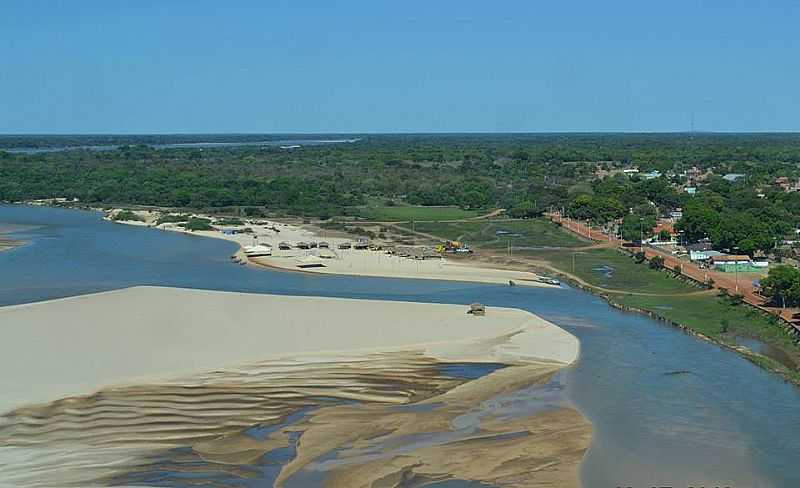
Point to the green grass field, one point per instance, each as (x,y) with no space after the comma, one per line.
(529,233)
(672,299)
(708,314)
(608,268)
(401,213)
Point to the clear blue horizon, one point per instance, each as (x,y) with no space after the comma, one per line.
(368,67)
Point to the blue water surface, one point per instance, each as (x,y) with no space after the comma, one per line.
(726,423)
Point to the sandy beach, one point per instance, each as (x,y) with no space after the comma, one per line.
(120,377)
(344,261)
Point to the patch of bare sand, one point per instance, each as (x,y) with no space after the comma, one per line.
(137,373)
(375,446)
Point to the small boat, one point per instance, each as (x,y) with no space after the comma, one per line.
(344,245)
(284,246)
(302,245)
(310,261)
(324,245)
(258,250)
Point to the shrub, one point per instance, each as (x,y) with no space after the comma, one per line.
(172,218)
(657,262)
(197,223)
(124,215)
(230,221)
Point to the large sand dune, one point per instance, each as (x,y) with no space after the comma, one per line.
(76,345)
(130,386)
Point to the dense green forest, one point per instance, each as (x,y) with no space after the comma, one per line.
(525,173)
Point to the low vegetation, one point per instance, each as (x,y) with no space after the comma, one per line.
(197,223)
(127,215)
(172,218)
(403,213)
(501,233)
(608,268)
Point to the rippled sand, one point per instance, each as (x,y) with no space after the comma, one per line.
(390,412)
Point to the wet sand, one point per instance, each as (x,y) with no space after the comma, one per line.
(6,244)
(125,386)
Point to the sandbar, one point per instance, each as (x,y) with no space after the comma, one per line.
(79,344)
(122,387)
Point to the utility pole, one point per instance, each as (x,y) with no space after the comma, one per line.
(641,234)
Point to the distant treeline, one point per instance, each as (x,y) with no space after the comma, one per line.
(526,173)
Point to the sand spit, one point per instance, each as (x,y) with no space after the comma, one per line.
(141,386)
(6,244)
(333,260)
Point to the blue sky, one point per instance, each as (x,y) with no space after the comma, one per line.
(105,66)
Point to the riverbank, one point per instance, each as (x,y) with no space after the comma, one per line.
(659,294)
(338,257)
(200,370)
(604,271)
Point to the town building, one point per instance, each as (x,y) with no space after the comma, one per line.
(733,177)
(730,263)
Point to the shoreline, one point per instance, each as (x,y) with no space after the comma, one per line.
(758,359)
(349,262)
(201,374)
(509,334)
(764,362)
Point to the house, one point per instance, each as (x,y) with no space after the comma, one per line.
(781,183)
(691,190)
(733,177)
(693,174)
(703,255)
(652,175)
(701,251)
(663,225)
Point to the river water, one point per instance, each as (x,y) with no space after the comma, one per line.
(186,145)
(667,409)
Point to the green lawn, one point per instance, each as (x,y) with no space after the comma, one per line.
(484,233)
(708,314)
(401,213)
(608,268)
